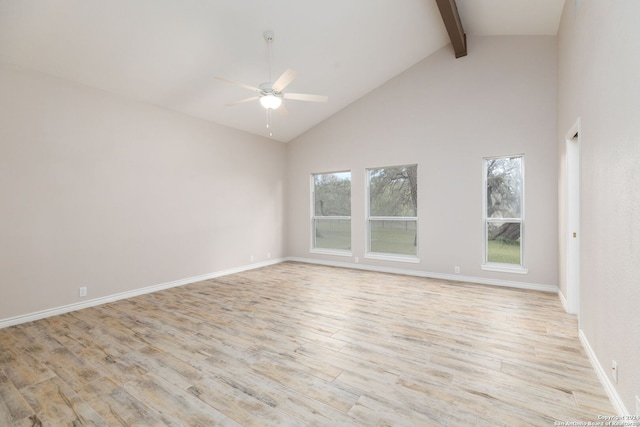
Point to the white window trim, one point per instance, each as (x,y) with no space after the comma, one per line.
(496,266)
(382,255)
(313,218)
(392,257)
(504,268)
(325,251)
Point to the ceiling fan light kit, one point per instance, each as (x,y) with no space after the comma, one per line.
(270,94)
(270,101)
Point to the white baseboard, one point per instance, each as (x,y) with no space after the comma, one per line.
(563,300)
(129,294)
(29,317)
(136,292)
(452,277)
(609,388)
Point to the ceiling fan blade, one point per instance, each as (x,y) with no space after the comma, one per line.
(283,81)
(251,88)
(242,101)
(305,97)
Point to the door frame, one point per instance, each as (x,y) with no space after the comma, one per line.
(572,218)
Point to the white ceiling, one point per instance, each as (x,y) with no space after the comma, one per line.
(167,52)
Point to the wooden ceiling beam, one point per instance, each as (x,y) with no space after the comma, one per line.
(451,19)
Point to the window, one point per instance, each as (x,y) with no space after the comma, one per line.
(331,219)
(504,213)
(393,212)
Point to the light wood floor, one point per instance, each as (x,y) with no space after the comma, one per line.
(296,344)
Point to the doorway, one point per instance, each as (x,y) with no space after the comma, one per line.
(573,219)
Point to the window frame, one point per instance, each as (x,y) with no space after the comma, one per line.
(498,266)
(369,219)
(314,217)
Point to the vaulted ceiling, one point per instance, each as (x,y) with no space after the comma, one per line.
(167,52)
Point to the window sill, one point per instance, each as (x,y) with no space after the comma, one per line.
(505,268)
(392,257)
(336,252)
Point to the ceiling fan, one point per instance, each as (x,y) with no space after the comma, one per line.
(270,94)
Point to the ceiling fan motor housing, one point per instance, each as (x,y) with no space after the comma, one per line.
(266,88)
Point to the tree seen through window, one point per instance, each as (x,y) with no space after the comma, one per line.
(332,211)
(393,210)
(503,215)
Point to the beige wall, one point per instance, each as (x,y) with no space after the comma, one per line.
(599,69)
(114,195)
(446,114)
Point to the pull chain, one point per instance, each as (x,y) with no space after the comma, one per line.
(269,37)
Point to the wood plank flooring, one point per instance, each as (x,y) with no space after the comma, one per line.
(298,345)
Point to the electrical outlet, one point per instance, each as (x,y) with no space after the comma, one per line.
(614,371)
(357,260)
(251,258)
(268,255)
(82,291)
(638,406)
(457,269)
